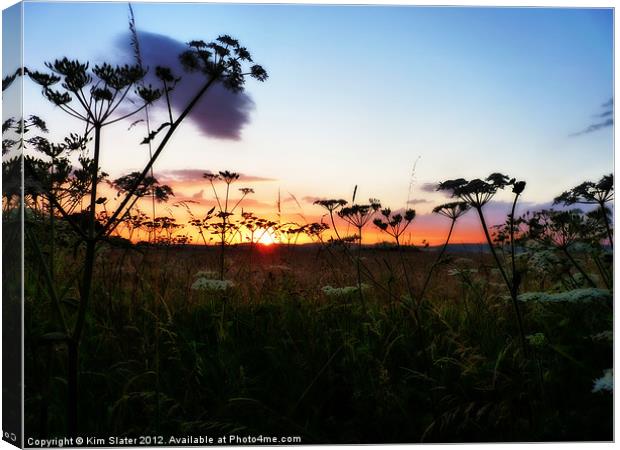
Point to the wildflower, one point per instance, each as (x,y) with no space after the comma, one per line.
(346,291)
(604,383)
(536,340)
(573,296)
(542,261)
(477,192)
(332,204)
(461,272)
(209,274)
(452,210)
(604,336)
(207,284)
(279,267)
(589,192)
(394,224)
(360,215)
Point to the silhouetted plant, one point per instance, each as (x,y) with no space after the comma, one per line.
(149,186)
(99,97)
(477,193)
(332,206)
(598,193)
(395,225)
(561,230)
(225,226)
(453,211)
(359,215)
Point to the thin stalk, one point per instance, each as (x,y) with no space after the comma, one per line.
(406,274)
(223,238)
(52,225)
(578,267)
(512,242)
(607,225)
(359,272)
(603,272)
(513,294)
(85,294)
(111,224)
(437,261)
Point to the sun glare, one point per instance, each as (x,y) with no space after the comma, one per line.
(267,239)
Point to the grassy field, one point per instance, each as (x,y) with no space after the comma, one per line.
(289,345)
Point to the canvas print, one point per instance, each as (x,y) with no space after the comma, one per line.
(266,224)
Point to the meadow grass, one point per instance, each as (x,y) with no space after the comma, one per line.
(273,354)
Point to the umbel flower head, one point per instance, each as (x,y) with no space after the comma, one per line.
(360,215)
(584,295)
(477,193)
(394,224)
(604,383)
(147,186)
(347,291)
(208,284)
(589,192)
(452,210)
(222,60)
(332,204)
(228,176)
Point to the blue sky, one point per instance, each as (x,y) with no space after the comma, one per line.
(357,94)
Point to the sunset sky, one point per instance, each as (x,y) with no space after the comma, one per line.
(355,96)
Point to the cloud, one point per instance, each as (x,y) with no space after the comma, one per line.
(189,175)
(428,187)
(311,199)
(220,113)
(607,114)
(417,201)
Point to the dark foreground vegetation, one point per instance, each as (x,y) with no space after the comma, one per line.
(277,352)
(337,342)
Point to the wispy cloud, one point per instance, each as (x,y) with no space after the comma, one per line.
(418,201)
(607,115)
(310,199)
(196,175)
(428,187)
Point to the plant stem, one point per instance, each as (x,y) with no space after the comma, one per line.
(512,243)
(607,226)
(112,223)
(85,294)
(513,293)
(578,267)
(437,260)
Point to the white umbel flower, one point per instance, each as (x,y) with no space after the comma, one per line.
(207,284)
(604,383)
(342,291)
(574,296)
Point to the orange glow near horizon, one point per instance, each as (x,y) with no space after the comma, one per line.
(425,229)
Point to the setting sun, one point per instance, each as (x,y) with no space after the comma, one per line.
(267,239)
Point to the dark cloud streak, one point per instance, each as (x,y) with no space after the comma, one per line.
(607,114)
(189,175)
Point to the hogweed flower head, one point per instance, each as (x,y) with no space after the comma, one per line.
(332,204)
(477,193)
(589,192)
(346,291)
(359,215)
(208,284)
(394,224)
(452,210)
(604,383)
